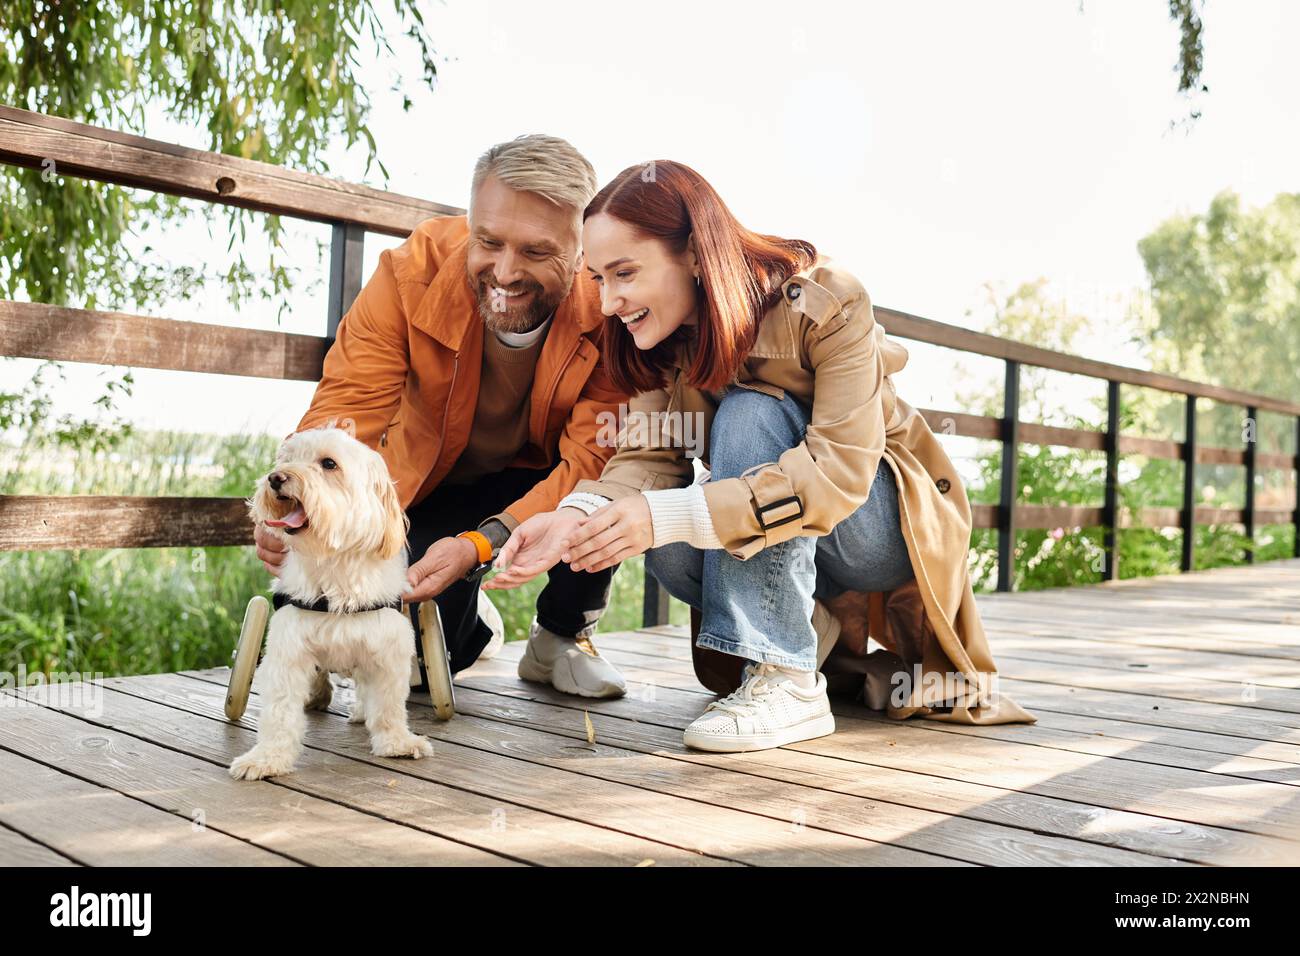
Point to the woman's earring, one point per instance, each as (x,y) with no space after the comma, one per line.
(697,278)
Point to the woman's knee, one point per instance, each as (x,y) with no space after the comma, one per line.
(751,428)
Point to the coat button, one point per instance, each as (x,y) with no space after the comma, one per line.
(943,485)
(793,292)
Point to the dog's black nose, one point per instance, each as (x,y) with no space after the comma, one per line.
(275,480)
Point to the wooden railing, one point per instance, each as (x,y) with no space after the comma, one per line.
(34,522)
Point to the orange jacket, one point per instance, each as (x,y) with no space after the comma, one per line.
(406,362)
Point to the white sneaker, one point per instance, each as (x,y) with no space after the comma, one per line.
(492,618)
(570,666)
(767,710)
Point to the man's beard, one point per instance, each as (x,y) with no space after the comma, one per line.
(521,319)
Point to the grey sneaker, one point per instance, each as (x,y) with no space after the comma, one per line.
(571,666)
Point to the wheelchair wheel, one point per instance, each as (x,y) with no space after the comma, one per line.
(246,655)
(437,664)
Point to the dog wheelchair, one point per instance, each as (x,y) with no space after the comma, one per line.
(432,658)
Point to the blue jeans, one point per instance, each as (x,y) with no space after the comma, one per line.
(761,608)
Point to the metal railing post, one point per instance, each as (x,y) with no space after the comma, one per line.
(347,247)
(1010,477)
(1252,443)
(1295,515)
(1189,485)
(1110,508)
(654,606)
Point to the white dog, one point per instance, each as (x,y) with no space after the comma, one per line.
(333,499)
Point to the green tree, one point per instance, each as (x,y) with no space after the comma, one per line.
(270,80)
(1225,291)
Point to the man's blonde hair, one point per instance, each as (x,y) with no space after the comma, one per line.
(535,163)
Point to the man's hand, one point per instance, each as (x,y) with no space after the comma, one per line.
(620,530)
(533,548)
(446,562)
(270,549)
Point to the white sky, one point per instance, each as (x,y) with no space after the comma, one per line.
(930,146)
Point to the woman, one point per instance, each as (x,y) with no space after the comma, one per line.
(772,356)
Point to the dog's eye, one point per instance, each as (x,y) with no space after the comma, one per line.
(329,464)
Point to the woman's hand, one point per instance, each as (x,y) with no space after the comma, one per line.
(534,547)
(620,530)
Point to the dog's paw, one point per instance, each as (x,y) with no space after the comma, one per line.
(409,745)
(358,716)
(255,765)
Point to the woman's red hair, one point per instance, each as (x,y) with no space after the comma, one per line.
(741,273)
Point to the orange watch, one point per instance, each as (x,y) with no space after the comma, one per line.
(481,545)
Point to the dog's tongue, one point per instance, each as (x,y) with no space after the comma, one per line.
(294,519)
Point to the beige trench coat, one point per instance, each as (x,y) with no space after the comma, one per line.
(936,661)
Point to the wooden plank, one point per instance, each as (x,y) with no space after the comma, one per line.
(1228,644)
(97,826)
(1190,796)
(1259,626)
(31,330)
(337,766)
(1190,750)
(1268,733)
(828,810)
(18,850)
(261,813)
(1160,685)
(1150,447)
(942,422)
(1203,588)
(1276,581)
(895,782)
(1275,701)
(58,522)
(1257,730)
(1103,713)
(1192,663)
(1131,611)
(472,758)
(1080,516)
(885,818)
(76,149)
(1056,516)
(905,325)
(616,792)
(1095,713)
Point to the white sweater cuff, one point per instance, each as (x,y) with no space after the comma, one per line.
(681,514)
(583,501)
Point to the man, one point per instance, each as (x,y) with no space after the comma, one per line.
(470,361)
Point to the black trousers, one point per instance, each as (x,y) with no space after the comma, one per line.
(569,604)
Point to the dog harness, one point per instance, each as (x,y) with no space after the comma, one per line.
(279,600)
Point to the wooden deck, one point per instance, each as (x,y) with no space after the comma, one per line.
(1168,735)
